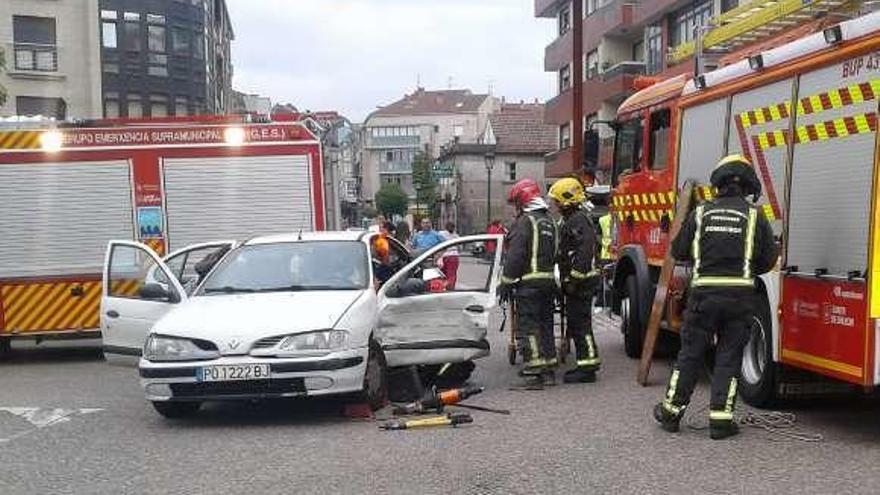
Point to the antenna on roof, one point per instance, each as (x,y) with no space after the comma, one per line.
(418,80)
(491,87)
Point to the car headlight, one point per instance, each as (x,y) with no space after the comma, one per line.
(162,348)
(324,340)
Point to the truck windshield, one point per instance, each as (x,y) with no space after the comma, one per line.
(291,266)
(628,149)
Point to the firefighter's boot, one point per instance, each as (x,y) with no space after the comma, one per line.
(668,420)
(528,381)
(548,378)
(719,429)
(579,375)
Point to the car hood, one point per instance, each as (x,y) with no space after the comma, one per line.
(250,317)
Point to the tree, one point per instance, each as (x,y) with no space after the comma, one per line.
(392,200)
(2,69)
(424,182)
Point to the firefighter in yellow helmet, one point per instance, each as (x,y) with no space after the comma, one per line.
(730,243)
(577,249)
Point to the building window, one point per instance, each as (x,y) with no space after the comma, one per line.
(564,20)
(180,40)
(564,136)
(111,105)
(591,64)
(638,51)
(158,64)
(158,106)
(686,21)
(32,106)
(199,46)
(458,130)
(510,171)
(110,68)
(389,156)
(653,49)
(728,5)
(181,107)
(132,31)
(135,107)
(564,79)
(590,6)
(108,34)
(661,125)
(156,38)
(34,43)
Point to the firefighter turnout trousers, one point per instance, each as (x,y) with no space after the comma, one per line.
(727,314)
(579,316)
(535,303)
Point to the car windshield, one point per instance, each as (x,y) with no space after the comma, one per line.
(291,266)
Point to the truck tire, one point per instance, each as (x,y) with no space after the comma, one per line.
(630,315)
(375,390)
(5,347)
(760,374)
(176,410)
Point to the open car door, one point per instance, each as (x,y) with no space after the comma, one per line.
(193,263)
(436,309)
(138,289)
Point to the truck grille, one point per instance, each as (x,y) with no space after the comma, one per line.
(244,387)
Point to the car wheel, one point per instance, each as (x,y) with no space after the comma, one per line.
(630,309)
(176,410)
(759,374)
(375,391)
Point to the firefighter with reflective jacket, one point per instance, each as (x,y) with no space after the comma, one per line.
(528,278)
(729,243)
(577,249)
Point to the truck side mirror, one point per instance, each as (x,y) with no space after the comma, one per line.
(591,149)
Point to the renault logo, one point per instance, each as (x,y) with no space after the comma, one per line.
(233,344)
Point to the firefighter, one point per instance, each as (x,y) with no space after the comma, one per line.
(577,247)
(600,214)
(729,243)
(528,279)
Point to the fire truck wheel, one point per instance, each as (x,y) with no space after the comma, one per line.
(5,347)
(630,309)
(176,410)
(760,374)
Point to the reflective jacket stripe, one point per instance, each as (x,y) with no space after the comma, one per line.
(537,276)
(722,282)
(535,240)
(695,246)
(750,243)
(583,276)
(721,415)
(605,227)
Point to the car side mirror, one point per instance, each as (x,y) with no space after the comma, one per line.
(155,292)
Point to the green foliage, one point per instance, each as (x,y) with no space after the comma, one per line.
(392,200)
(424,182)
(2,69)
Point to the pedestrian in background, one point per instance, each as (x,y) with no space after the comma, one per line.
(496,227)
(427,237)
(450,259)
(402,234)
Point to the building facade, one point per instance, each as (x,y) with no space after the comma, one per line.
(393,135)
(622,40)
(165,57)
(53,60)
(511,148)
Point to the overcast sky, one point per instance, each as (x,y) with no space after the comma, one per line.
(352,55)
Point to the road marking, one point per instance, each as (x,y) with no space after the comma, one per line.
(42,418)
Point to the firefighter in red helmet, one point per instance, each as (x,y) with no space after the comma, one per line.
(528,278)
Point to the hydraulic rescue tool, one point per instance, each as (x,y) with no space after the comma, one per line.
(450,419)
(435,401)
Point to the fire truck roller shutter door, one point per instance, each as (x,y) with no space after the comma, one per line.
(56,218)
(832,172)
(762,110)
(236,197)
(702,141)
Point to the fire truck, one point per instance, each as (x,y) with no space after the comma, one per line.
(805,114)
(175,185)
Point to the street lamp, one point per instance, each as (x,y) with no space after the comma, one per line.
(489,159)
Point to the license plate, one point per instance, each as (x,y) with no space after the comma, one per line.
(233,372)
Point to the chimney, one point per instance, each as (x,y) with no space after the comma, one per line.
(536,101)
(503,100)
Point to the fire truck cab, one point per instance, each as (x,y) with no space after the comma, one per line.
(805,115)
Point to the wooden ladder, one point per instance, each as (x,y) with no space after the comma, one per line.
(686,200)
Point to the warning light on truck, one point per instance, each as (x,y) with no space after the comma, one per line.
(234,136)
(51,141)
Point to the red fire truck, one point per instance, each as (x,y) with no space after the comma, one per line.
(805,114)
(68,189)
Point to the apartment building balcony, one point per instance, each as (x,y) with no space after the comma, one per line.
(380,142)
(613,84)
(548,8)
(395,168)
(613,19)
(648,11)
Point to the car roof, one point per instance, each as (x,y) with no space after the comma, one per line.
(332,235)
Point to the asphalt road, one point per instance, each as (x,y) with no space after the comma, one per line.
(69,423)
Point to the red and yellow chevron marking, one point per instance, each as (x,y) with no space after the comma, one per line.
(20,140)
(819,102)
(644,207)
(157,245)
(838,128)
(839,98)
(32,307)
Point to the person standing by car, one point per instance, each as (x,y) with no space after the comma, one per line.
(577,247)
(528,279)
(450,259)
(427,237)
(496,227)
(730,243)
